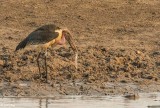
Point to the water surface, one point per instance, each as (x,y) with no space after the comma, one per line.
(146,100)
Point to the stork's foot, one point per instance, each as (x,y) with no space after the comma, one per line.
(43,78)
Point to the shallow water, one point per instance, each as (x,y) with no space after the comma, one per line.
(149,100)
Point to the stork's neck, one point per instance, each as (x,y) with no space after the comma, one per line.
(62,40)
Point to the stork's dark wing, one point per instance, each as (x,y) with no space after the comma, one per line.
(41,35)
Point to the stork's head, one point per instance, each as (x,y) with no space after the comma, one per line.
(68,36)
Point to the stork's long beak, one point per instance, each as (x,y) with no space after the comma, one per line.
(69,38)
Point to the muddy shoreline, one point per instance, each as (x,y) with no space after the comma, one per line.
(114,72)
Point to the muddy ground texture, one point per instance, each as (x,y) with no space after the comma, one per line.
(118,43)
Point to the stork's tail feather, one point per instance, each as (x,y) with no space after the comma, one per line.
(22,44)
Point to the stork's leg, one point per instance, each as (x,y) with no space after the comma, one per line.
(46,65)
(38,63)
